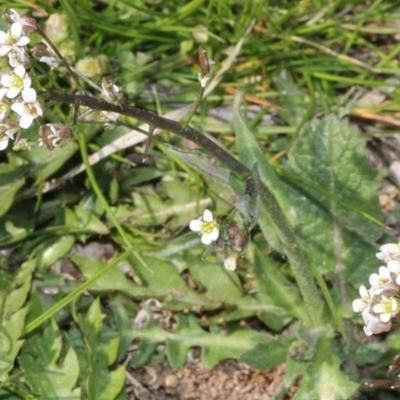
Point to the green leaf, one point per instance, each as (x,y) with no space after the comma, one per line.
(11,180)
(14,228)
(233,343)
(330,158)
(55,250)
(114,279)
(251,154)
(51,370)
(323,378)
(87,221)
(101,347)
(272,282)
(268,353)
(333,190)
(43,163)
(13,294)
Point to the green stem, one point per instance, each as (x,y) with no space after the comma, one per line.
(95,186)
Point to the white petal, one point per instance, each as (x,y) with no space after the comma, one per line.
(4,49)
(358,305)
(3,142)
(207,216)
(374,280)
(384,272)
(27,82)
(19,70)
(16,30)
(26,121)
(206,239)
(23,41)
(385,317)
(214,234)
(363,291)
(29,95)
(394,266)
(19,108)
(6,80)
(3,37)
(196,225)
(368,330)
(12,92)
(39,109)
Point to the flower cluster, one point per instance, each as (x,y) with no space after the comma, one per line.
(19,105)
(231,237)
(19,102)
(379,304)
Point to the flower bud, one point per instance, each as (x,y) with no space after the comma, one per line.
(230,261)
(54,135)
(43,54)
(29,25)
(56,27)
(111,92)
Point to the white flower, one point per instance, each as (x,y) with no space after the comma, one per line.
(389,252)
(16,82)
(206,226)
(380,281)
(7,132)
(12,39)
(374,325)
(386,308)
(363,304)
(29,110)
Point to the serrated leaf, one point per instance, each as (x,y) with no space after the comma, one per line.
(13,294)
(323,379)
(103,383)
(234,343)
(50,372)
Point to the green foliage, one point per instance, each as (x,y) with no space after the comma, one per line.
(101,349)
(236,341)
(50,368)
(13,310)
(334,190)
(301,62)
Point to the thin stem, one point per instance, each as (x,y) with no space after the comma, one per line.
(97,189)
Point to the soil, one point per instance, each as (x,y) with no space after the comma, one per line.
(231,380)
